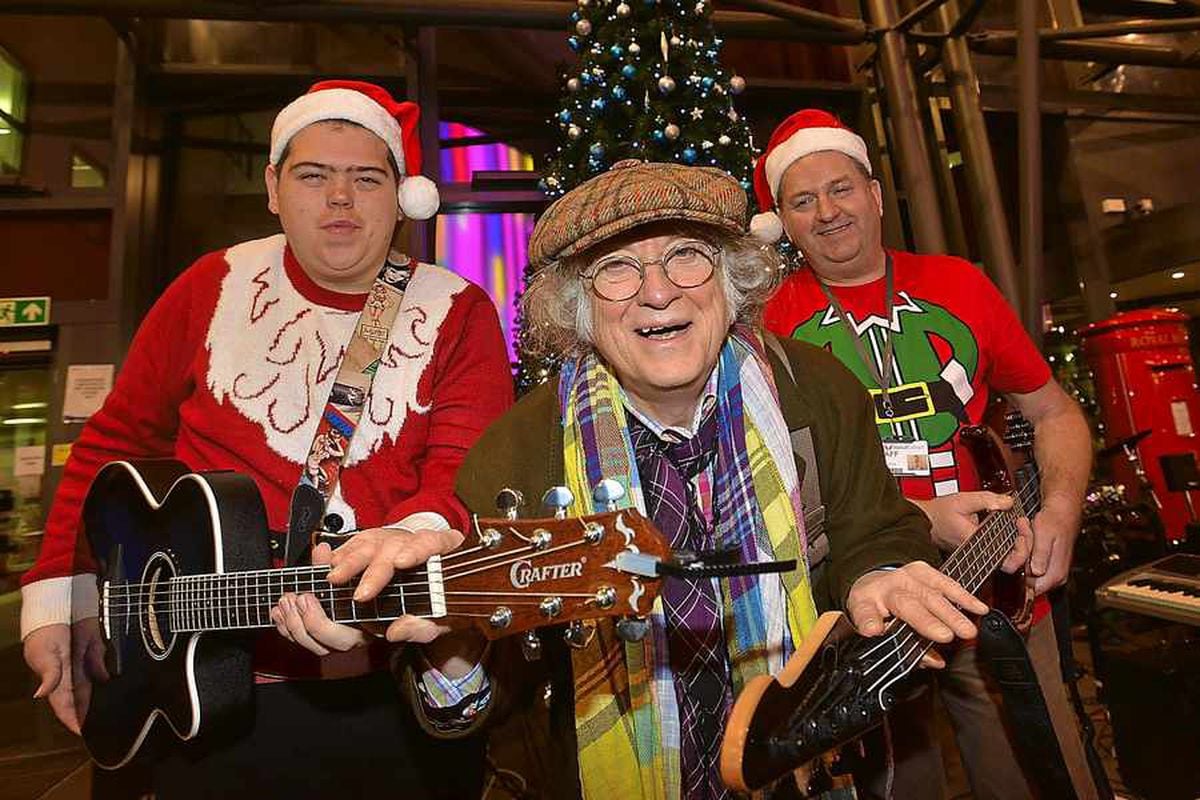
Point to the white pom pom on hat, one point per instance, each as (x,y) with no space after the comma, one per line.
(419,198)
(766,227)
(372,107)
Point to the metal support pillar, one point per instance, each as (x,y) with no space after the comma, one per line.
(1029,139)
(910,146)
(124,184)
(983,187)
(421,76)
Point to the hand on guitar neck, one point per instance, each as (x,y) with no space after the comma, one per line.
(375,555)
(956,516)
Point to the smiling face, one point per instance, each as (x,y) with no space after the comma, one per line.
(831,211)
(335,194)
(663,342)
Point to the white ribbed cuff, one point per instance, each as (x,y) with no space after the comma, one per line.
(45,602)
(58,601)
(422,520)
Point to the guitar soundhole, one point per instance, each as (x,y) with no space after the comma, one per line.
(154,608)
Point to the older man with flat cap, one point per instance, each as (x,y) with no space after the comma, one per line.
(648,283)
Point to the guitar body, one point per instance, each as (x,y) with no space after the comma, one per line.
(186,584)
(838,685)
(148,522)
(749,758)
(998,468)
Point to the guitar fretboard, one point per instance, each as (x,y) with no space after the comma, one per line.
(243,600)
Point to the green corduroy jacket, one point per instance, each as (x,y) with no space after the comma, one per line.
(868,522)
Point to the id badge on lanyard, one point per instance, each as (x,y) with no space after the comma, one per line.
(907,459)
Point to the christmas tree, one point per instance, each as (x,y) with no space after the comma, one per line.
(649,86)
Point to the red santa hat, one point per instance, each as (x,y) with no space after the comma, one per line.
(805,132)
(373,108)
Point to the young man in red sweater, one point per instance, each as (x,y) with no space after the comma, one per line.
(230,370)
(931,338)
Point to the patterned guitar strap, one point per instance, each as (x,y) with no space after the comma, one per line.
(343,408)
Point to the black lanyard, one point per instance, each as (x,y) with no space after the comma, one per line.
(883,378)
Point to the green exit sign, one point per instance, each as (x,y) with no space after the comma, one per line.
(17,311)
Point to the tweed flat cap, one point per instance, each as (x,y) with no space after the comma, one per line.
(633,193)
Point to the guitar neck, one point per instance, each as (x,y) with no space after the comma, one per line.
(977,558)
(243,600)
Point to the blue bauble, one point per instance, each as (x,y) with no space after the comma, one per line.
(598,103)
(629,70)
(596,149)
(707,83)
(746,186)
(689,155)
(616,51)
(564,116)
(573,42)
(618,92)
(585,78)
(658,135)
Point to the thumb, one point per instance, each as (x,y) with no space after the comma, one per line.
(49,667)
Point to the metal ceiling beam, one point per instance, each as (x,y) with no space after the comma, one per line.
(527,14)
(806,16)
(1140,55)
(1099,30)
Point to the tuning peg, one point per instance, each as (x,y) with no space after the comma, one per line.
(578,635)
(508,501)
(632,629)
(607,493)
(531,646)
(558,499)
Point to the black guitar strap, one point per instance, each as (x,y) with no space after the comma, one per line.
(343,408)
(1036,744)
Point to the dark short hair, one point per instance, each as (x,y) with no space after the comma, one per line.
(287,148)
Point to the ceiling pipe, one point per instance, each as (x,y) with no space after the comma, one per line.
(525,14)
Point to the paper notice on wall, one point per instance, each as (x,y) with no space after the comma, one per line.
(1183,420)
(87,387)
(29,461)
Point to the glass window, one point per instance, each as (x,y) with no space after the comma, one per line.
(13,89)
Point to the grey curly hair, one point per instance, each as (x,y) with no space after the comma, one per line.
(556,305)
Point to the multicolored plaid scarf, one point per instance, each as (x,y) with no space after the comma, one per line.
(626,715)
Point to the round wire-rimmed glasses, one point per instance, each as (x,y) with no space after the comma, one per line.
(687,264)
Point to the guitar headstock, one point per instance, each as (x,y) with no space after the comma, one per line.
(514,575)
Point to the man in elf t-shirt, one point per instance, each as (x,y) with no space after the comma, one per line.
(231,370)
(932,338)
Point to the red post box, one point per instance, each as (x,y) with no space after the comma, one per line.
(1145,381)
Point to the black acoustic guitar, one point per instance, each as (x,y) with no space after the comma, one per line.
(185,582)
(838,685)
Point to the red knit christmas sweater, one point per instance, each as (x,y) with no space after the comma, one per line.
(231,369)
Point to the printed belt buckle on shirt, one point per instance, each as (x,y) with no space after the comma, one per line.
(908,401)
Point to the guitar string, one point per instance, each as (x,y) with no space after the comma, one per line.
(195,584)
(994,546)
(316,572)
(997,546)
(965,552)
(192,590)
